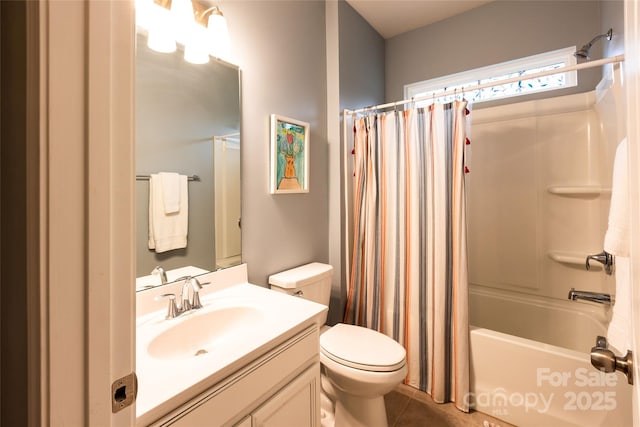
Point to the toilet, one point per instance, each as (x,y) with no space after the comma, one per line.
(359,365)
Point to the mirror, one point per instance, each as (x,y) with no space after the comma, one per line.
(188,121)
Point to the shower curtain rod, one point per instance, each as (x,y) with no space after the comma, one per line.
(614,59)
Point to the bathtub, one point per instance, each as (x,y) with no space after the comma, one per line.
(542,375)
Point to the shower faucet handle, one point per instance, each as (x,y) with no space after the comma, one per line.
(604,258)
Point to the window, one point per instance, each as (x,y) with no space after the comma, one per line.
(496,73)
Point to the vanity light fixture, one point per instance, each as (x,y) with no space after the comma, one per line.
(182,20)
(201,29)
(196,50)
(218,34)
(160,37)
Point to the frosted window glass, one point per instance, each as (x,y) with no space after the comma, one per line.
(494,74)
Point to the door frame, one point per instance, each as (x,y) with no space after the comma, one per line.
(632,84)
(86,218)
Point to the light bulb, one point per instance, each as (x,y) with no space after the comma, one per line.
(196,50)
(182,19)
(219,42)
(161,36)
(144,10)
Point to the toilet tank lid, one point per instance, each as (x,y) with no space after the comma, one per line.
(301,276)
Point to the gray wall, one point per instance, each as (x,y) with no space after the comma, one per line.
(612,16)
(362,60)
(355,76)
(280,47)
(496,32)
(179,108)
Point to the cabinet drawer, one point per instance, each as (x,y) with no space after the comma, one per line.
(239,394)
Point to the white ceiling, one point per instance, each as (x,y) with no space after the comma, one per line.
(393,17)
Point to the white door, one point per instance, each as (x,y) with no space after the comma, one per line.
(632,76)
(85,115)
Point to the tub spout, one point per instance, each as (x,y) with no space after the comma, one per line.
(596,297)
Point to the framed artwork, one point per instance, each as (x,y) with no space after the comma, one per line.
(289,155)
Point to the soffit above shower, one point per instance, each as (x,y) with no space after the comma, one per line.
(393,17)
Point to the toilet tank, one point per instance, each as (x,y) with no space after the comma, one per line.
(309,281)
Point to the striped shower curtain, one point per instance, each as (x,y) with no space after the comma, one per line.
(409,264)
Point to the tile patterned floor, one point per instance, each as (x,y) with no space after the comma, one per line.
(408,407)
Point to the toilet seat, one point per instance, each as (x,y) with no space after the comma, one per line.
(362,348)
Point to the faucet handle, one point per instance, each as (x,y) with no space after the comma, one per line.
(195,304)
(605,258)
(172,309)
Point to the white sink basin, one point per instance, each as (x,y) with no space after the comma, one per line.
(205,333)
(238,323)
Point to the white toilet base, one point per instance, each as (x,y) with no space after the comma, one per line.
(327,411)
(356,411)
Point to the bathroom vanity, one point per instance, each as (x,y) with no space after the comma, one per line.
(249,357)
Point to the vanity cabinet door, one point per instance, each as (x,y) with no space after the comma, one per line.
(295,405)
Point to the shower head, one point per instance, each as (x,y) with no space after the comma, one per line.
(583,52)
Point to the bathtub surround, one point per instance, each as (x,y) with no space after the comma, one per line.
(538,197)
(548,164)
(409,267)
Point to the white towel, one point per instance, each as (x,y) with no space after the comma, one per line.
(170,191)
(616,242)
(619,332)
(616,239)
(167,231)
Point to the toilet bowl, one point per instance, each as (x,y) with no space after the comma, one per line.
(362,366)
(359,365)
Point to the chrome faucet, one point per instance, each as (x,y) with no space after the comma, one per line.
(174,310)
(186,303)
(596,297)
(163,274)
(192,303)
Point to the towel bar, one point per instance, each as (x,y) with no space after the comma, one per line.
(148,177)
